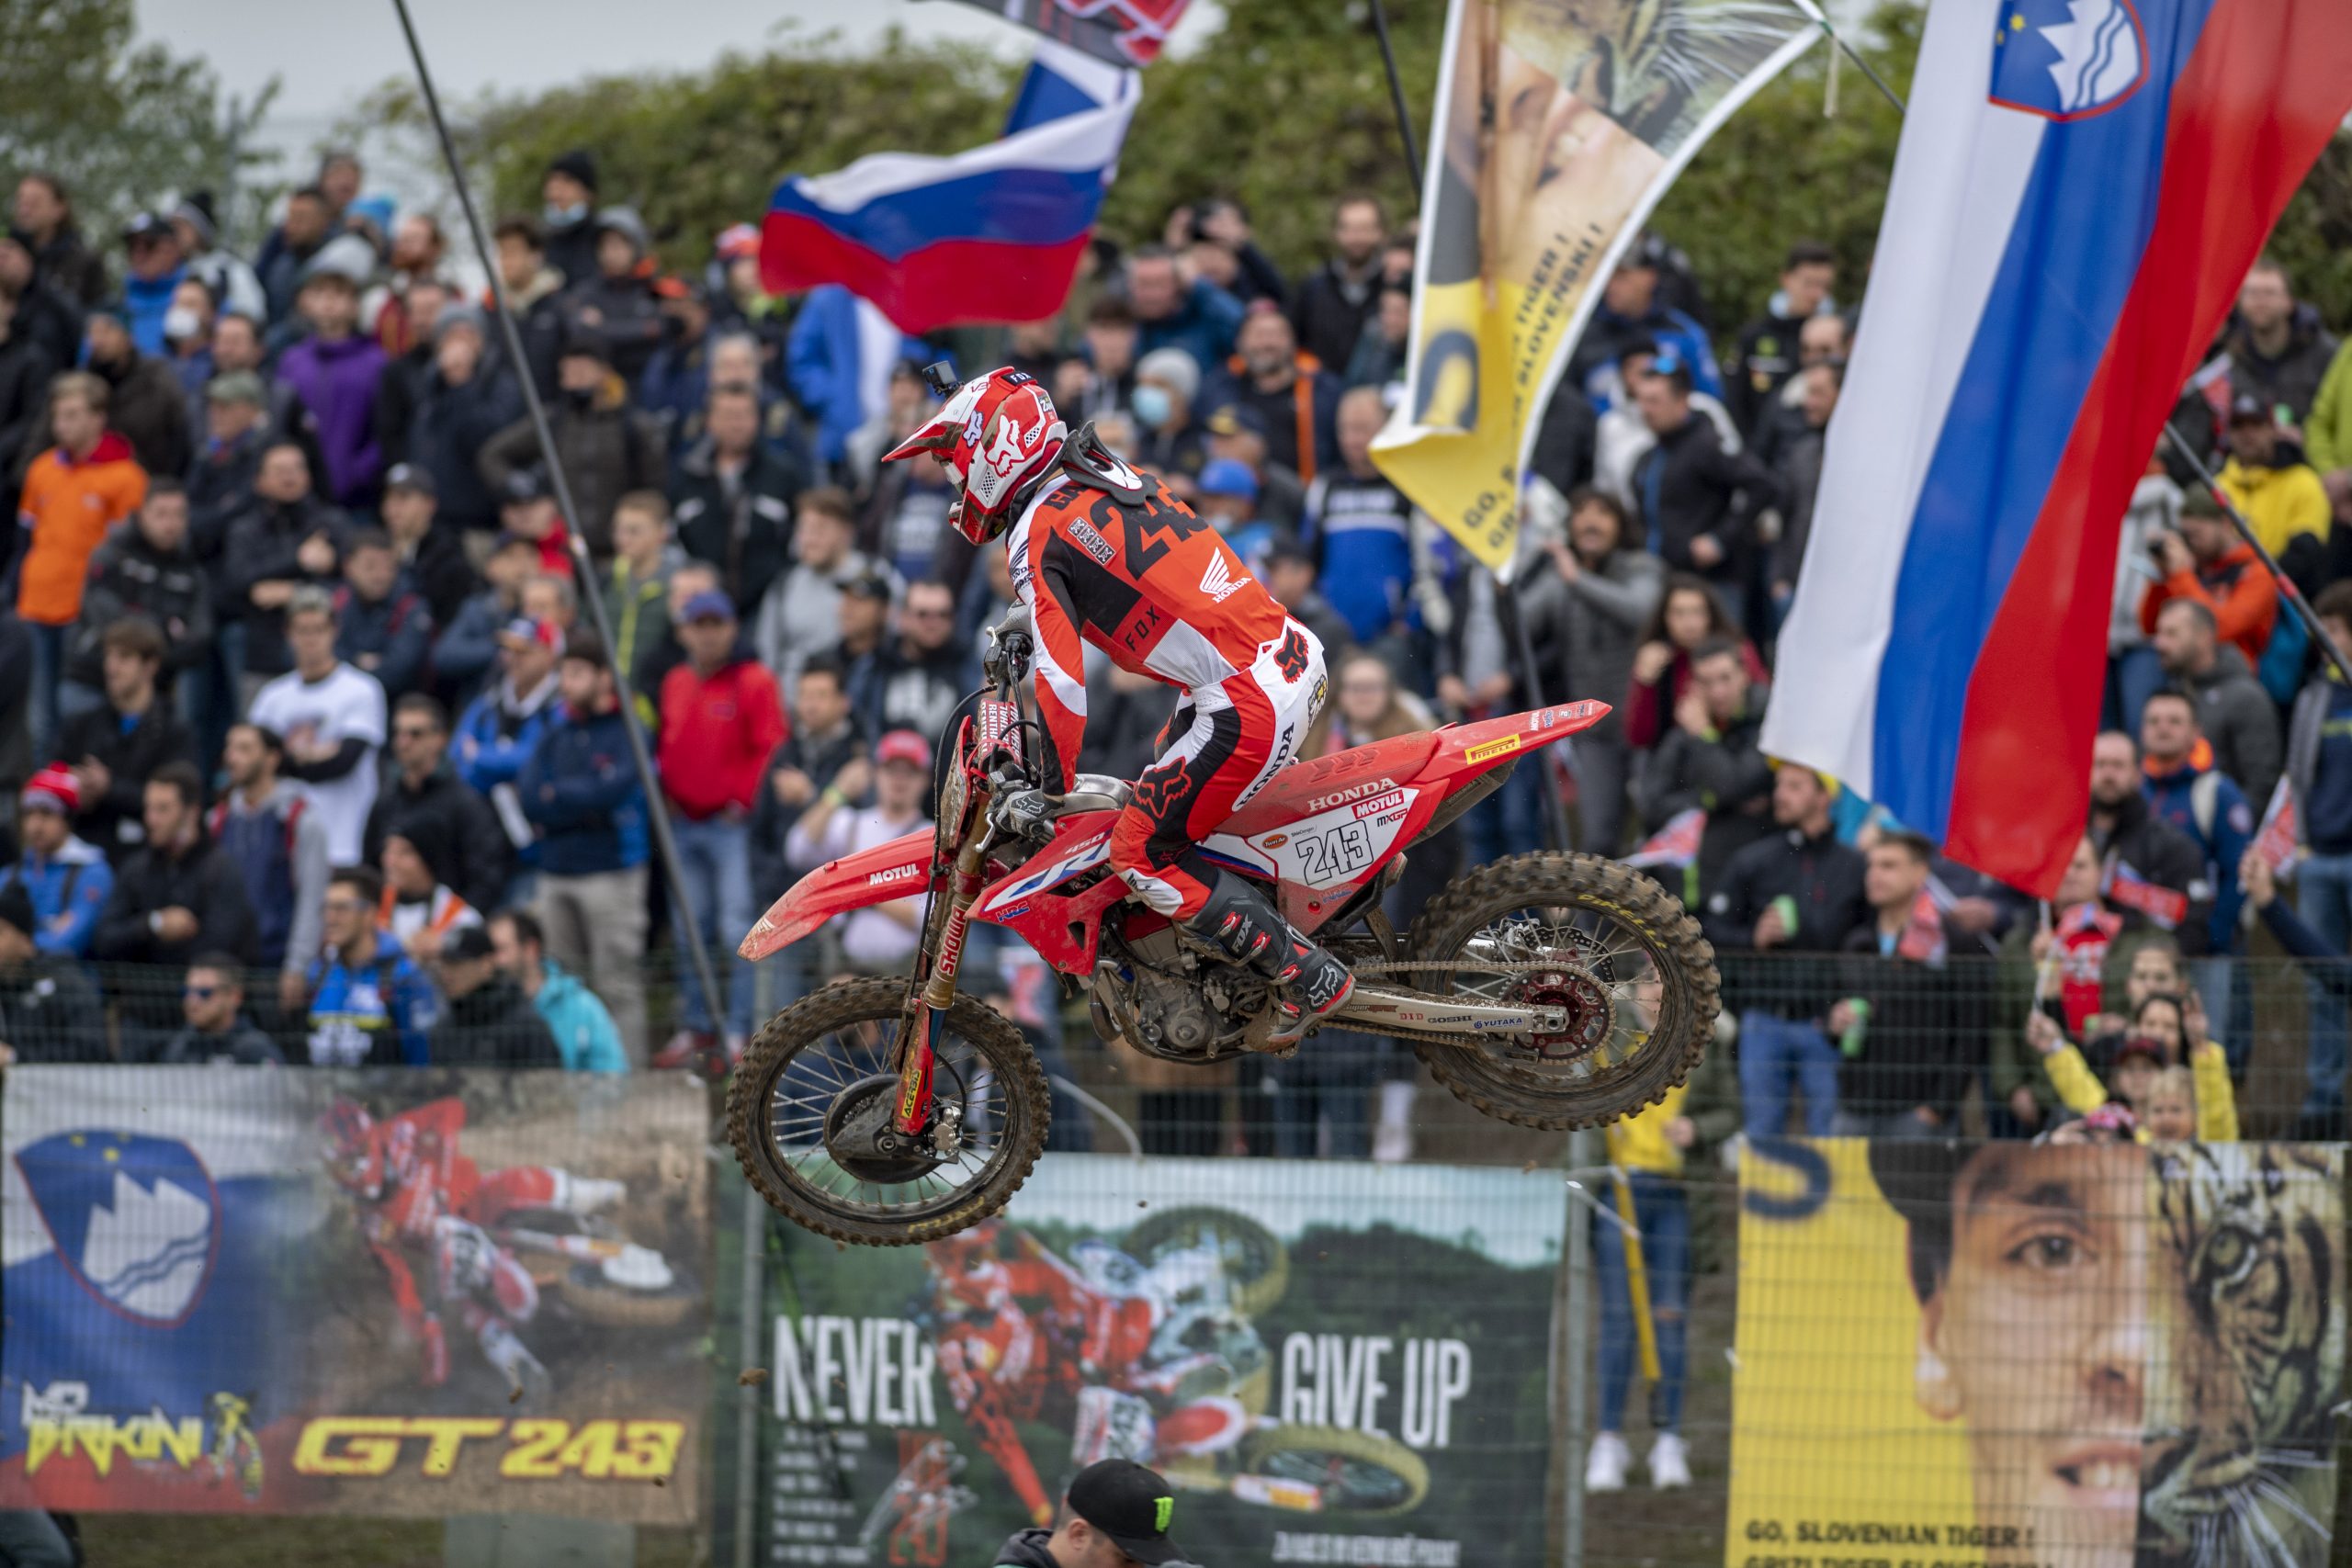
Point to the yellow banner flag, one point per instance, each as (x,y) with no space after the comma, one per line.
(1558,129)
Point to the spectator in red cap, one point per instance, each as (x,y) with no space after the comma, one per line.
(876,941)
(721,720)
(67,879)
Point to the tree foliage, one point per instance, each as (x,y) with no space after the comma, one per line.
(124,126)
(1284,108)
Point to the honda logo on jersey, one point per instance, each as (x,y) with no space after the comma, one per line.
(1218,581)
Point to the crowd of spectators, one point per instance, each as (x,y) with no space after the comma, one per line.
(300,698)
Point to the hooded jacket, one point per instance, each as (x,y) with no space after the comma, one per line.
(584,1030)
(717,733)
(743,528)
(2292,376)
(130,577)
(200,880)
(279,849)
(68,891)
(449,424)
(68,504)
(339,382)
(146,402)
(456,817)
(49,1013)
(2241,724)
(2287,506)
(2216,819)
(607,449)
(581,788)
(2240,595)
(116,821)
(494,1025)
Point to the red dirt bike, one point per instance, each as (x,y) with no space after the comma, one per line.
(1550,991)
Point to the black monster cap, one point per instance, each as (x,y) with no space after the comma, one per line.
(1129,1504)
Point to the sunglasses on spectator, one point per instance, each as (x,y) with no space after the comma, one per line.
(344,907)
(413,731)
(201,993)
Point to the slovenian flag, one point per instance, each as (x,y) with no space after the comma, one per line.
(2080,187)
(990,235)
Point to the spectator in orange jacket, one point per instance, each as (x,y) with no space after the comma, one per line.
(73,492)
(721,720)
(2207,563)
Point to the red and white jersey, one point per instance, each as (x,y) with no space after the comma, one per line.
(1153,586)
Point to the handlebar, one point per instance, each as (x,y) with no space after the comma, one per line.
(1011,648)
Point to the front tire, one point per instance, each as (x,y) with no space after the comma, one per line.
(789,1094)
(1630,958)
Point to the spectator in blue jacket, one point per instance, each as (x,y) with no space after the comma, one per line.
(2185,789)
(371,1005)
(582,1027)
(499,731)
(383,626)
(580,789)
(67,879)
(152,268)
(1631,309)
(1172,310)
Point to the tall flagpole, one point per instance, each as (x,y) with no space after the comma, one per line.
(1507,617)
(592,592)
(2288,593)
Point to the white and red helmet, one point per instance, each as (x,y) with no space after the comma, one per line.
(994,435)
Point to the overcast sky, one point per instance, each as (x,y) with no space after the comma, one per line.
(328,54)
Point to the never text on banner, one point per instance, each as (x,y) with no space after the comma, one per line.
(1330,1363)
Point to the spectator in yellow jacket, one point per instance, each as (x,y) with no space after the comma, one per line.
(82,486)
(2161,1028)
(2282,496)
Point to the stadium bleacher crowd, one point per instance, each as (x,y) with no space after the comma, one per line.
(311,752)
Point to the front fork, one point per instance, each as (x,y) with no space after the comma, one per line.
(916,1053)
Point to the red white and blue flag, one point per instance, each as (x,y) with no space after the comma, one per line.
(2080,187)
(993,234)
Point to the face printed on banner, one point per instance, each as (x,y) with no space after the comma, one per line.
(2036,1333)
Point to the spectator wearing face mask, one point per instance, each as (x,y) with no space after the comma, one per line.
(1170,438)
(152,267)
(606,447)
(569,192)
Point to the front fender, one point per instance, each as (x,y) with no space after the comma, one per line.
(878,875)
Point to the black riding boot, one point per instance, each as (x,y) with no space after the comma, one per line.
(1309,983)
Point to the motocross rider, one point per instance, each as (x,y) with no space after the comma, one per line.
(1103,553)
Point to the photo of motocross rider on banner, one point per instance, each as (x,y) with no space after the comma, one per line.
(1313,1356)
(357,1292)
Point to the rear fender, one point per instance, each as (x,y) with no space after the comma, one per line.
(1324,838)
(882,874)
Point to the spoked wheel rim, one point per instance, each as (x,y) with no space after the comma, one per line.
(816,1098)
(1603,974)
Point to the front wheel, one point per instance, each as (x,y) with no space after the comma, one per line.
(1623,961)
(818,1082)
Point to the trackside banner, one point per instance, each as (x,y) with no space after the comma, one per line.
(1329,1363)
(1557,127)
(2013,1355)
(419,1293)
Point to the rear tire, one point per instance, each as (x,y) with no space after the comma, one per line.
(1586,891)
(852,1026)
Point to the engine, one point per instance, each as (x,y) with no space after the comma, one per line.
(1166,1002)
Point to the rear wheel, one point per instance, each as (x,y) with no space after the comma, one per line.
(1623,961)
(811,1102)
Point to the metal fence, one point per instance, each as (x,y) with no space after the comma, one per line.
(1880,1038)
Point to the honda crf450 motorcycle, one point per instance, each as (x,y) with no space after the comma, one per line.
(1550,991)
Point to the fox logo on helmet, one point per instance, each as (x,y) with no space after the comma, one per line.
(1013,445)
